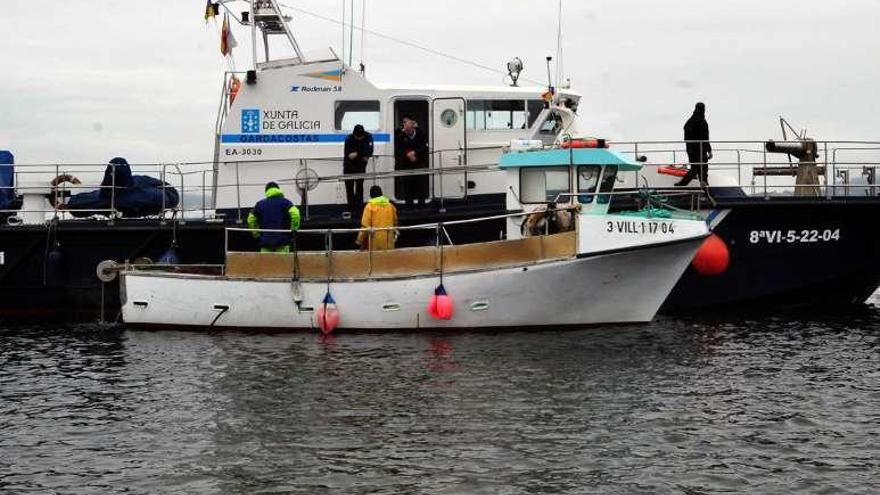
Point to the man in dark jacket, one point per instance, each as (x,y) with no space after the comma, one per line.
(274,212)
(696,133)
(358,150)
(411,153)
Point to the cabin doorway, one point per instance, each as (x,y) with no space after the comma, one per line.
(416,189)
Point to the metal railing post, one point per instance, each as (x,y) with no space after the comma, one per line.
(162,176)
(739,168)
(237,191)
(764,154)
(204,193)
(112,192)
(182,193)
(828,185)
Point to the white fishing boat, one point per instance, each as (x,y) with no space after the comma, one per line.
(608,268)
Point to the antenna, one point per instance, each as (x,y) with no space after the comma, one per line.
(549,77)
(559,45)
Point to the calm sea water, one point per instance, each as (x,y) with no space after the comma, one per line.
(759,405)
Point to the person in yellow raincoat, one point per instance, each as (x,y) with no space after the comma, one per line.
(379,213)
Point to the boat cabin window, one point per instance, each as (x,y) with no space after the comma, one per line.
(498,115)
(543,184)
(587,181)
(607,184)
(549,128)
(348,114)
(534,109)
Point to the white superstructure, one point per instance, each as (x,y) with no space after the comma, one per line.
(294,114)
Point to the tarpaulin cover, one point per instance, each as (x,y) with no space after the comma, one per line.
(136,195)
(7,179)
(142,198)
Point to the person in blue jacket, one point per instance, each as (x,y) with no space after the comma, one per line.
(274,212)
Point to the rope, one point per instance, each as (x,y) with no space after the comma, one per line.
(343,32)
(295,259)
(294,282)
(363,25)
(329,246)
(407,43)
(440,242)
(351,35)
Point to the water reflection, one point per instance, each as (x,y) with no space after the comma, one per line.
(768,404)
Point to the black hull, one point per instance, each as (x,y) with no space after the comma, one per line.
(35,284)
(815,254)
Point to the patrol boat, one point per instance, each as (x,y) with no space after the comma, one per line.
(609,268)
(796,218)
(284,120)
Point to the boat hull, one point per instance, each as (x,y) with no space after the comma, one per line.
(820,275)
(815,254)
(627,286)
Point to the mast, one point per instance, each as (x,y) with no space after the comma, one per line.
(270,21)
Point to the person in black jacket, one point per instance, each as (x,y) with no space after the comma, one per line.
(358,150)
(274,212)
(411,153)
(699,151)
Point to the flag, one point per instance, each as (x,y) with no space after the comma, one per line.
(227,41)
(211,9)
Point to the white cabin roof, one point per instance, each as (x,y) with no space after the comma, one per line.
(466,90)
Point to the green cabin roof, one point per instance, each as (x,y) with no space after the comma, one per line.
(566,157)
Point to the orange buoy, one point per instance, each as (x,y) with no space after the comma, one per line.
(712,258)
(673,170)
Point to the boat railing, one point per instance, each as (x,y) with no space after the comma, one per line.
(441,235)
(760,172)
(847,168)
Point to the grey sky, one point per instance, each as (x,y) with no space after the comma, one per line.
(89,80)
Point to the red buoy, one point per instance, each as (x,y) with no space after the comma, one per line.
(713,257)
(441,306)
(327,315)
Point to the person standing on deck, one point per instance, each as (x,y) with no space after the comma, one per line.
(379,213)
(358,150)
(699,151)
(411,153)
(274,212)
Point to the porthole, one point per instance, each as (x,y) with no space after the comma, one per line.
(449,117)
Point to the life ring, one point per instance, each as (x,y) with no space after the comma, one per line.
(55,196)
(234,87)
